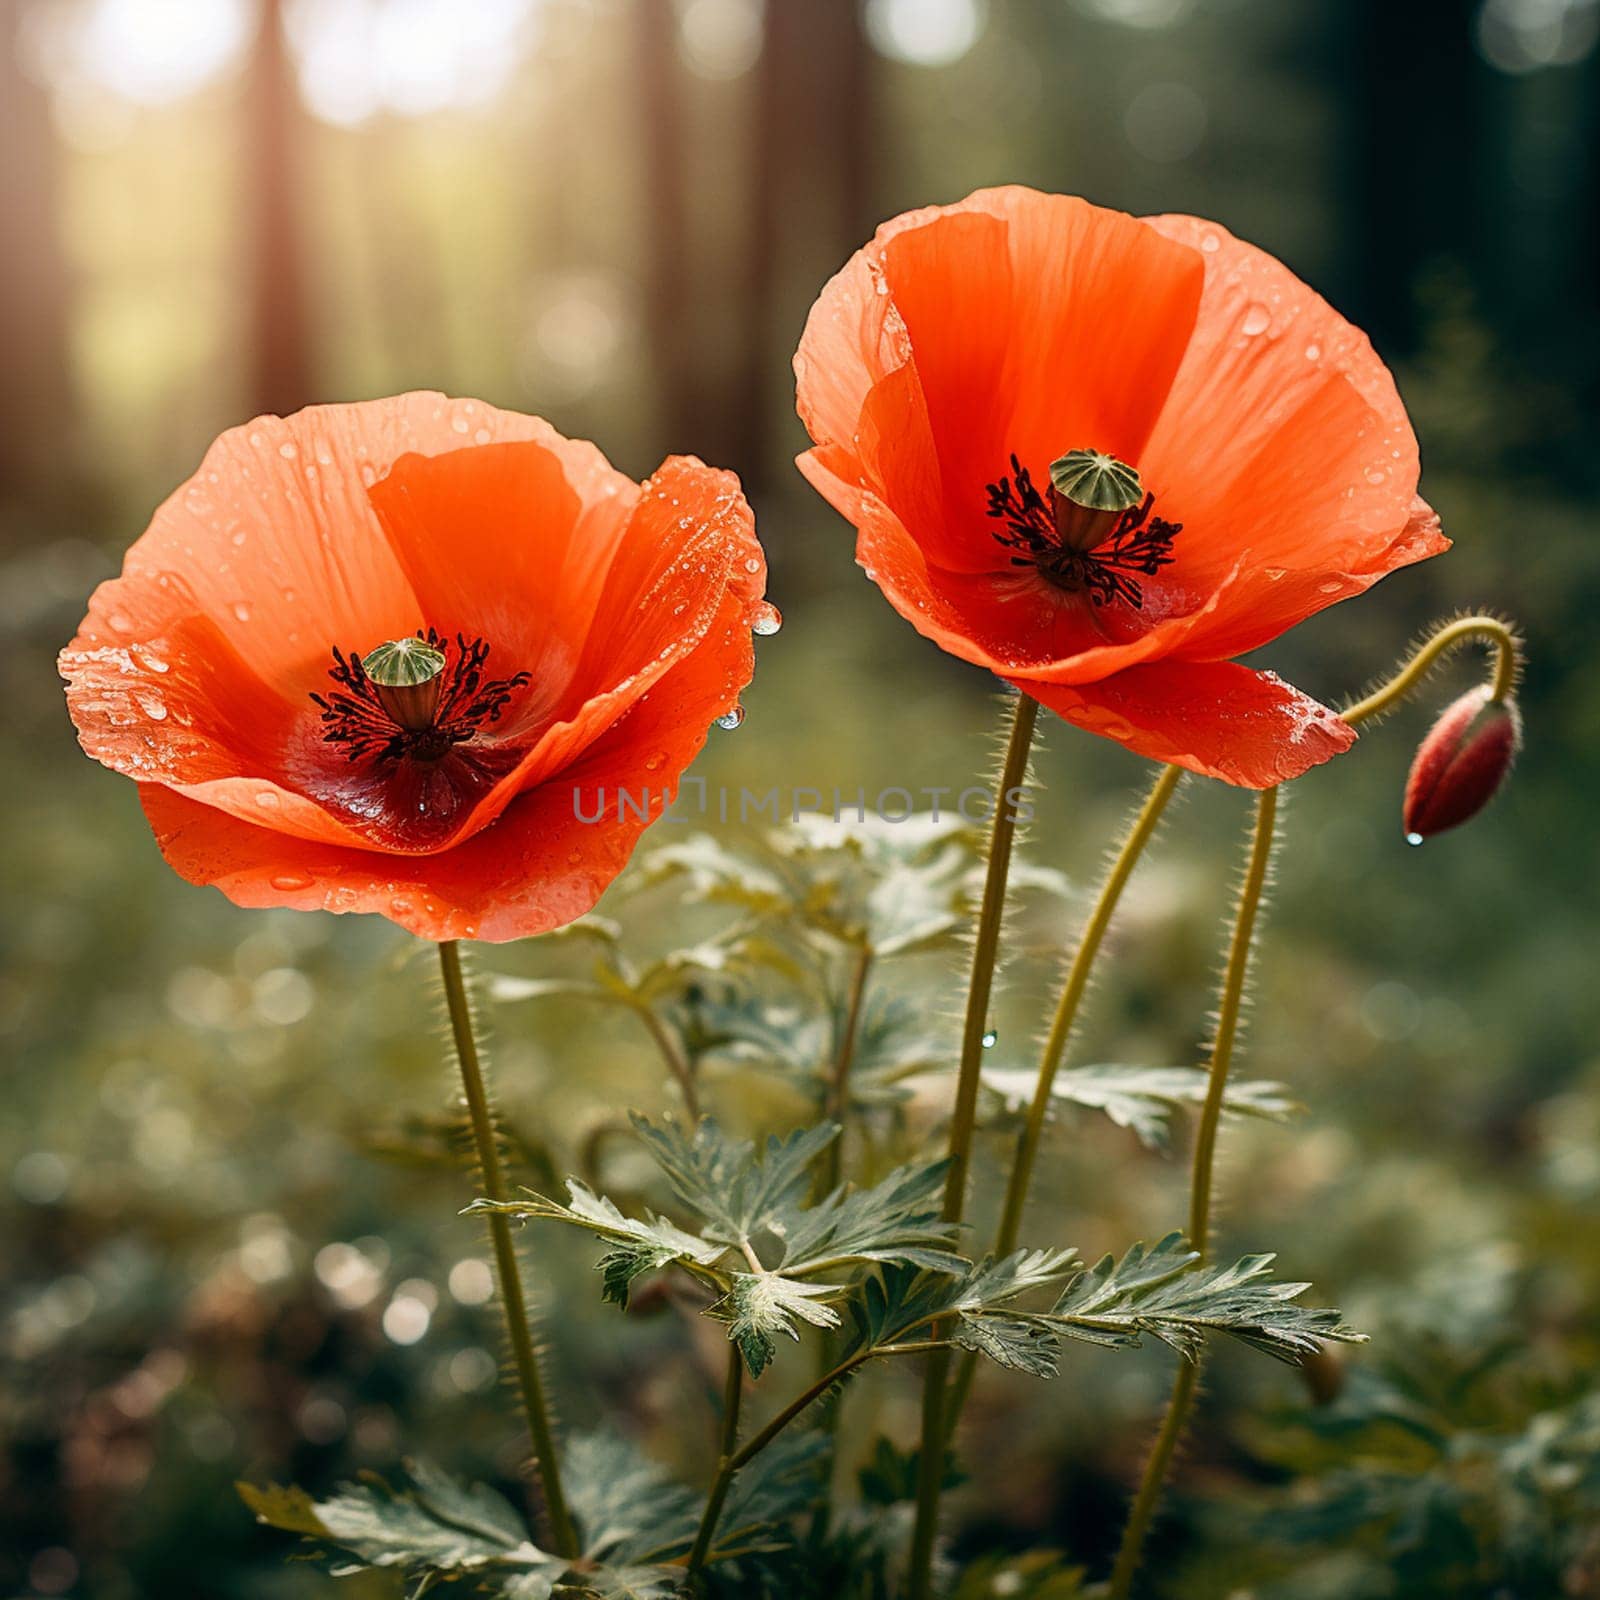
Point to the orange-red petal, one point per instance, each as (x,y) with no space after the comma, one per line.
(535,868)
(1217,718)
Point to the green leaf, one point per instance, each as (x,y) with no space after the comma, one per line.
(898,1219)
(1149,1292)
(285,1506)
(761,1305)
(433,1527)
(725,1183)
(1141,1098)
(749,1203)
(629,1509)
(780,1484)
(643,1244)
(899,1305)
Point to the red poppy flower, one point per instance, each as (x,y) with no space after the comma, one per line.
(1102,456)
(390,656)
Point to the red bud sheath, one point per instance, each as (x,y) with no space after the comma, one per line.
(1461,764)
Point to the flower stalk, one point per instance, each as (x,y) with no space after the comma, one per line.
(986,950)
(1140,832)
(1451,636)
(524,1355)
(1186,1384)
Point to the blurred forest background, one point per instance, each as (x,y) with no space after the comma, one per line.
(226,1249)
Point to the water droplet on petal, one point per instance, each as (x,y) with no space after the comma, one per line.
(1256,320)
(1413,838)
(242,611)
(767,622)
(288,882)
(731,719)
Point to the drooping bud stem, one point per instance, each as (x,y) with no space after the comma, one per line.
(408,675)
(1089,493)
(1461,764)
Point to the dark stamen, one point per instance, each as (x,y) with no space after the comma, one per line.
(1136,543)
(355,716)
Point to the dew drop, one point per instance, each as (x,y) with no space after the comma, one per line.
(482,436)
(242,611)
(1313,352)
(459,424)
(290,881)
(731,719)
(768,620)
(991,1038)
(266,799)
(1256,320)
(1210,243)
(752,564)
(1413,838)
(1376,475)
(121,621)
(287,451)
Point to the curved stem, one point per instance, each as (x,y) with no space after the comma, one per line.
(1205,1149)
(732,1394)
(519,1334)
(1002,834)
(1140,831)
(673,1058)
(1491,630)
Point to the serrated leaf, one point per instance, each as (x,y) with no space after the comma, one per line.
(899,1304)
(432,1527)
(724,1182)
(1141,1098)
(644,1244)
(760,1306)
(1149,1292)
(628,1508)
(897,1219)
(1017,1343)
(285,1506)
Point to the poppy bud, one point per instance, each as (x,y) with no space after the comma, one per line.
(407,674)
(1089,492)
(1461,763)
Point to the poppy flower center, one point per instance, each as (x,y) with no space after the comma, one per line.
(413,699)
(1092,534)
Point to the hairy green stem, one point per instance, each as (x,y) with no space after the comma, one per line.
(732,1394)
(986,950)
(1490,630)
(1205,1149)
(1140,832)
(519,1334)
